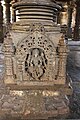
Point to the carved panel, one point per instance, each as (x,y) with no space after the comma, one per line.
(37,54)
(35,63)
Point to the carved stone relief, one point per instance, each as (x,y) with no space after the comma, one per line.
(35,58)
(8,52)
(37,54)
(35,63)
(35,66)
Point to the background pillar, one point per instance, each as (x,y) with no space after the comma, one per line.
(1,23)
(7,12)
(70,11)
(77,21)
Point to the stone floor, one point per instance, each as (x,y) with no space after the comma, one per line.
(74,73)
(73,69)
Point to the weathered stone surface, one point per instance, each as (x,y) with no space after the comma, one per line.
(74,104)
(35,62)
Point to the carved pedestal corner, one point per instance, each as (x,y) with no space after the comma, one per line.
(8,56)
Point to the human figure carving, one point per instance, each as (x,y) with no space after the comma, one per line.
(36,63)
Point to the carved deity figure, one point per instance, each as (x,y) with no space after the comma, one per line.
(36,63)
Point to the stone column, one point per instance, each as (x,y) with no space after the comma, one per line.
(13,11)
(7,12)
(1,23)
(77,21)
(59,18)
(70,11)
(61,15)
(13,15)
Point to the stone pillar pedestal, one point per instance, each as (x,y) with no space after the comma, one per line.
(36,93)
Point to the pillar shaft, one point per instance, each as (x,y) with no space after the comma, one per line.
(70,11)
(7,12)
(58,18)
(13,15)
(1,23)
(77,21)
(13,11)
